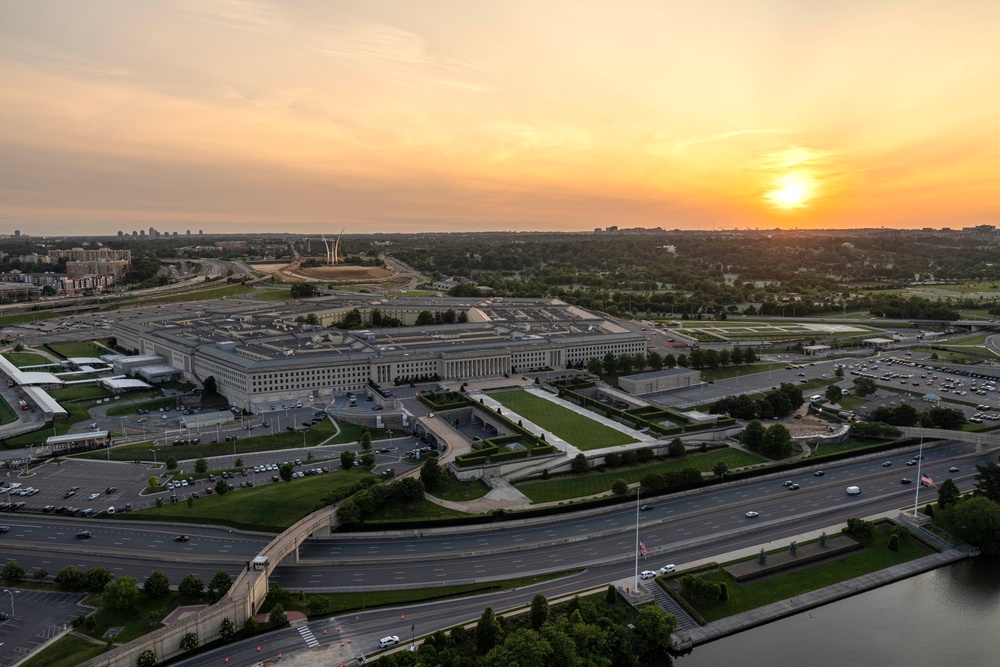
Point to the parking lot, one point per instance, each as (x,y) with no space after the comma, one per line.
(40,616)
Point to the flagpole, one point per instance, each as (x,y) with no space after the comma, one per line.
(920,478)
(635,581)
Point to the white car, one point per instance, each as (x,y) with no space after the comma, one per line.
(388,641)
(667,569)
(647,574)
(93,496)
(751,515)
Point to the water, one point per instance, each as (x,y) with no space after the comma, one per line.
(950,615)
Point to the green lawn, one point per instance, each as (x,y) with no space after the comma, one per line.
(78,392)
(66,652)
(7,414)
(731,371)
(454,490)
(22,359)
(33,316)
(132,407)
(273,294)
(80,349)
(767,590)
(268,507)
(218,292)
(423,510)
(573,427)
(568,487)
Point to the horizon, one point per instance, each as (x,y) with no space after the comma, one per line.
(247,116)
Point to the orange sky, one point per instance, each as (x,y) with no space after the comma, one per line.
(436,115)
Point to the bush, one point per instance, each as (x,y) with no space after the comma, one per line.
(894,542)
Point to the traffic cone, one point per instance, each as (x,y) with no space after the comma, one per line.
(227,658)
(402,616)
(348,640)
(338,628)
(279,656)
(324,631)
(341,642)
(258,647)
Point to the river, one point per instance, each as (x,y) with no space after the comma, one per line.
(946,615)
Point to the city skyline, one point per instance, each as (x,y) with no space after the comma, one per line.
(238,116)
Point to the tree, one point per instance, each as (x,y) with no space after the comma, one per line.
(864,387)
(238,463)
(676,448)
(487,631)
(539,611)
(839,372)
(146,659)
(210,387)
(594,366)
(189,641)
(219,584)
(157,585)
(13,572)
(227,629)
(579,464)
(945,418)
(948,494)
(523,647)
(286,471)
(987,481)
(861,530)
(753,436)
(172,463)
(201,466)
(365,440)
(653,631)
(122,594)
(431,474)
(70,578)
(222,487)
(96,579)
(191,586)
(368,459)
(619,487)
(347,460)
(654,360)
(778,443)
(834,394)
(977,521)
(153,481)
(277,617)
(720,469)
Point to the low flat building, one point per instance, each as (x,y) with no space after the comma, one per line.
(657,381)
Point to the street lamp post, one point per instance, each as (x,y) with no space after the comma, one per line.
(154,456)
(11,593)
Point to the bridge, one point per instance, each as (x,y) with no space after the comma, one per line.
(982,441)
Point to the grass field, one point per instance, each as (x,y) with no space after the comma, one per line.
(77,413)
(766,590)
(273,294)
(81,349)
(592,483)
(75,393)
(268,507)
(454,490)
(423,510)
(218,292)
(66,652)
(132,407)
(574,428)
(34,316)
(7,414)
(22,359)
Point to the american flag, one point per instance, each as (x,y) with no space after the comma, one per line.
(928,481)
(642,549)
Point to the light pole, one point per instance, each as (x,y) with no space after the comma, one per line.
(11,593)
(154,456)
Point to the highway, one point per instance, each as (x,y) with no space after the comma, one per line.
(677,529)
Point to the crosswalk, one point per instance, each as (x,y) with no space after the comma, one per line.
(307,635)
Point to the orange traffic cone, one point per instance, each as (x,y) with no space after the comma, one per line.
(348,640)
(227,658)
(258,647)
(341,642)
(324,631)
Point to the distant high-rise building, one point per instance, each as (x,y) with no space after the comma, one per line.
(121,234)
(17,233)
(142,233)
(188,233)
(200,232)
(134,233)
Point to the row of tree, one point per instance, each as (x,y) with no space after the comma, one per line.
(774,404)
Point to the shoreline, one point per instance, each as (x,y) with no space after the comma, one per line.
(686,640)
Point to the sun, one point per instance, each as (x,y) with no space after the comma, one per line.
(791,191)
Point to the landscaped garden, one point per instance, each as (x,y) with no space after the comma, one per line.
(576,429)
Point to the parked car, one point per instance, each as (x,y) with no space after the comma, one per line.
(388,640)
(666,569)
(647,574)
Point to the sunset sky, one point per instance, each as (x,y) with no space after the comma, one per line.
(437,115)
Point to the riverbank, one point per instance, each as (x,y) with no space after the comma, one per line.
(685,640)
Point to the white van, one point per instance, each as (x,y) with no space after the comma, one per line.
(853,490)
